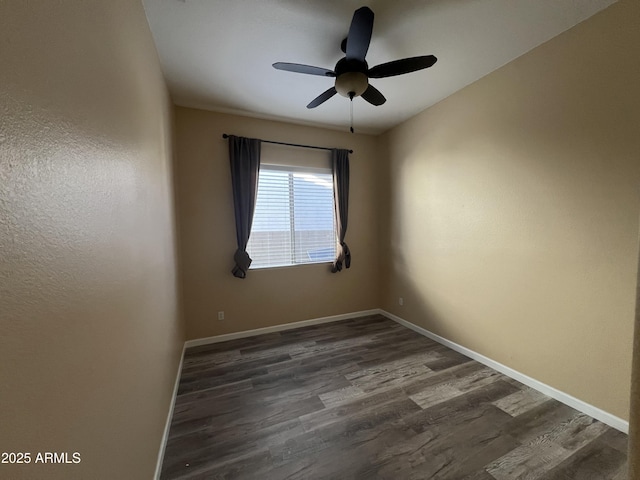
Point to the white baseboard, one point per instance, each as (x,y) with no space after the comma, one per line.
(167,426)
(584,407)
(278,328)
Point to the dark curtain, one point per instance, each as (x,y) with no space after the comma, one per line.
(340,160)
(244,157)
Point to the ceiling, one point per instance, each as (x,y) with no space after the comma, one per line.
(217,54)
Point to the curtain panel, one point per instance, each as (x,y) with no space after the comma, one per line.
(244,159)
(340,165)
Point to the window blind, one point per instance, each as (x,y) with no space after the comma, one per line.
(293,222)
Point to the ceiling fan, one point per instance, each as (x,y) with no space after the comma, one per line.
(352,73)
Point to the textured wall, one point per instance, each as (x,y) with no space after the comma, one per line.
(634,421)
(90,338)
(207,232)
(513,220)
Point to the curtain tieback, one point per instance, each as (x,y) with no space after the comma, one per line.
(243,261)
(343,257)
(347,255)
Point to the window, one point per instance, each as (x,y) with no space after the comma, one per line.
(293,222)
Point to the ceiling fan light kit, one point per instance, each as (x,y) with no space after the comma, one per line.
(352,72)
(351,84)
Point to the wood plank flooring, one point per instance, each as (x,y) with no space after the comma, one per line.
(370,399)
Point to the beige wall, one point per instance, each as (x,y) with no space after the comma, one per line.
(634,421)
(514,209)
(90,338)
(207,232)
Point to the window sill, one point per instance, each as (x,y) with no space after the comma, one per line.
(295,265)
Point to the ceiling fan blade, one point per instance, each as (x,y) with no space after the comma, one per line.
(373,96)
(323,97)
(359,34)
(400,67)
(299,68)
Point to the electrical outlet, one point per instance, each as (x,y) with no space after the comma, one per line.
(401,301)
(220,315)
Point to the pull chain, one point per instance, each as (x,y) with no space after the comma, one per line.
(351,112)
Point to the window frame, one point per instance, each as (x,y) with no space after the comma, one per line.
(292,170)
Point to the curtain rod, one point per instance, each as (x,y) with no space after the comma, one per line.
(224,135)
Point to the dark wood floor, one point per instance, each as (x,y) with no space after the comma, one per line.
(369,399)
